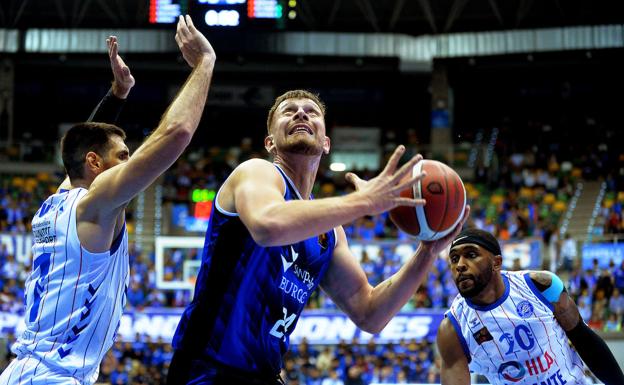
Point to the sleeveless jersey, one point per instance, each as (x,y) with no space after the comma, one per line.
(517,339)
(74,298)
(248,298)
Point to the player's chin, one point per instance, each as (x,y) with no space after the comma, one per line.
(304,146)
(467,288)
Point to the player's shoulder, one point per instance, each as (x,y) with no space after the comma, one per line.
(542,279)
(254,171)
(448,336)
(255,167)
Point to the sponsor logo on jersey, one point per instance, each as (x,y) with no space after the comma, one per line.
(515,371)
(482,335)
(524,309)
(511,371)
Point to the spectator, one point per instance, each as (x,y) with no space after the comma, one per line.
(568,252)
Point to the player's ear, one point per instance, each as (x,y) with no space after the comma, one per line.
(269,144)
(93,161)
(326,145)
(498,263)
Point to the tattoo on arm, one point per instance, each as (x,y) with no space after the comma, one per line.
(542,280)
(566,312)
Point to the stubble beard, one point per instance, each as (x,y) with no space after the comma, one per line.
(480,283)
(303,147)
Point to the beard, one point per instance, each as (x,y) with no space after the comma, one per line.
(480,281)
(303,147)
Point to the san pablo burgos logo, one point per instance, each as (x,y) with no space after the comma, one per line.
(287,264)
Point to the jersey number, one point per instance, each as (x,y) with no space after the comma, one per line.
(283,323)
(43,263)
(522,335)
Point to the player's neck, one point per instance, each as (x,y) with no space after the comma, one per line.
(301,169)
(492,292)
(83,183)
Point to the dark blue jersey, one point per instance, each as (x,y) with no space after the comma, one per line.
(248,297)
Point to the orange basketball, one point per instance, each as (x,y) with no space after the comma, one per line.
(445,194)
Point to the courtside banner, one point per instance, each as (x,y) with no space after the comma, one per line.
(317,327)
(604,253)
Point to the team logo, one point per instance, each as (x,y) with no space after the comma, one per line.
(511,371)
(524,309)
(435,188)
(482,335)
(287,260)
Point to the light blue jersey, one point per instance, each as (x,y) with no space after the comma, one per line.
(74,300)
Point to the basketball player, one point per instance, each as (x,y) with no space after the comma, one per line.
(76,292)
(269,245)
(514,327)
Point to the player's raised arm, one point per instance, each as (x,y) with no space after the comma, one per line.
(592,349)
(454,370)
(115,187)
(255,192)
(110,106)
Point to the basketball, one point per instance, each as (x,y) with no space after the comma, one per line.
(445,194)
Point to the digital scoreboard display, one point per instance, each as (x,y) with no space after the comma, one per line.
(264,9)
(223,13)
(166,11)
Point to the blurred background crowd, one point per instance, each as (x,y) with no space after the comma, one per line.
(521,98)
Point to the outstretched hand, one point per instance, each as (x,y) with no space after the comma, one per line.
(193,45)
(384,191)
(123,79)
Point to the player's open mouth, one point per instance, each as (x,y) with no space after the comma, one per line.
(300,128)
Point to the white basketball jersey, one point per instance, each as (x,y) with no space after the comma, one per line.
(74,298)
(517,339)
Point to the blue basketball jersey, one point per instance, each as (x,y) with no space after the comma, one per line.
(248,297)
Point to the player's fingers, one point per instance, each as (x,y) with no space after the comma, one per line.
(466,215)
(410,202)
(114,49)
(183,28)
(353,179)
(189,23)
(412,181)
(179,27)
(394,160)
(408,168)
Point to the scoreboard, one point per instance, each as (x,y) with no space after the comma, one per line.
(225,13)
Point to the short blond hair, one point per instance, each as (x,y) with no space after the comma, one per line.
(294,94)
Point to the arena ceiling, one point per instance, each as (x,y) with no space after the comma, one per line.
(414,17)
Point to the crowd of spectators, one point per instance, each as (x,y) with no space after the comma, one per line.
(528,201)
(599,295)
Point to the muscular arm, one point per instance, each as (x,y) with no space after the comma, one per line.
(116,186)
(454,370)
(592,349)
(371,308)
(112,189)
(255,191)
